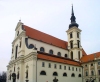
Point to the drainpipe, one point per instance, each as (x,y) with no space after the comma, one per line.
(82,73)
(36,70)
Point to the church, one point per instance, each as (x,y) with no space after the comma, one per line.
(40,57)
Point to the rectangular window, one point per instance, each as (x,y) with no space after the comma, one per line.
(99,63)
(71,36)
(59,66)
(76,69)
(55,66)
(79,69)
(98,72)
(49,65)
(77,34)
(72,68)
(69,68)
(43,64)
(91,64)
(64,67)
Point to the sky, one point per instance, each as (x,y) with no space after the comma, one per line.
(51,17)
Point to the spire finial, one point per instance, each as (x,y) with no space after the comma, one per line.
(73,19)
(20,19)
(72,16)
(72,10)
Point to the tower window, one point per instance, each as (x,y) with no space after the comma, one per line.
(78,43)
(71,44)
(79,55)
(71,55)
(71,36)
(77,34)
(51,51)
(42,49)
(20,44)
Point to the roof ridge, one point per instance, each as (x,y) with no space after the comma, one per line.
(93,53)
(46,33)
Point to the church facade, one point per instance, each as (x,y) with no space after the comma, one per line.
(39,57)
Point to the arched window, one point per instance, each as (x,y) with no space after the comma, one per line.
(59,54)
(66,55)
(86,73)
(64,74)
(78,43)
(42,49)
(71,55)
(92,72)
(31,46)
(79,55)
(73,75)
(71,44)
(79,75)
(51,51)
(55,74)
(42,73)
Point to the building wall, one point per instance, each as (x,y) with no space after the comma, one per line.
(47,47)
(90,68)
(49,72)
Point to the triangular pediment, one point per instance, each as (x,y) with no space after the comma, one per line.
(18,24)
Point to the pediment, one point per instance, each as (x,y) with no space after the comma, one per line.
(18,24)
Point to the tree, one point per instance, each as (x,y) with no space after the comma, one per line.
(3,77)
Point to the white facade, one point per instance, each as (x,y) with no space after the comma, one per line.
(27,60)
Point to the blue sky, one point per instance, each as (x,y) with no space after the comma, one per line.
(51,17)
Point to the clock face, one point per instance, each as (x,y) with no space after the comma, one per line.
(99,63)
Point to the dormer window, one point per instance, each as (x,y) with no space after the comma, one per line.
(71,36)
(17,33)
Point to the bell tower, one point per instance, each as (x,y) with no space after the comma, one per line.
(74,39)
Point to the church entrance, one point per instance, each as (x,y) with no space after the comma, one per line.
(14,77)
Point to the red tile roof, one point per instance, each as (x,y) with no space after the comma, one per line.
(40,36)
(57,59)
(90,57)
(37,35)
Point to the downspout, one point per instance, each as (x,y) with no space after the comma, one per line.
(82,73)
(36,70)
